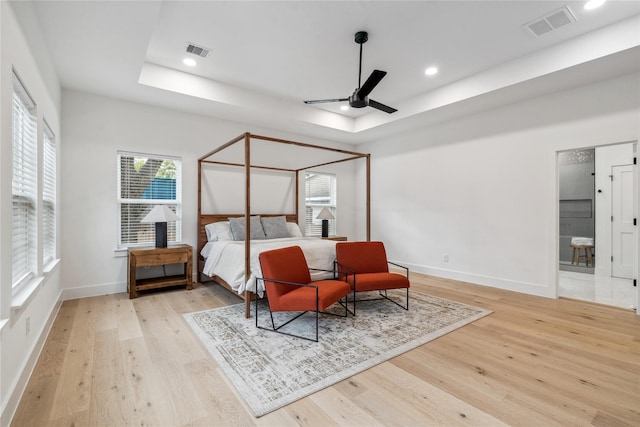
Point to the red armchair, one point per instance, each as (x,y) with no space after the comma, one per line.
(365,267)
(289,287)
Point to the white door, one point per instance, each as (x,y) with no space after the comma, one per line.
(622,228)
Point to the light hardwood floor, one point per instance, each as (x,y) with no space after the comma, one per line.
(111,361)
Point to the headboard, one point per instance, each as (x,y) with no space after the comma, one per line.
(210,218)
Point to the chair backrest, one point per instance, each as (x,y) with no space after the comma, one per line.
(363,257)
(286,264)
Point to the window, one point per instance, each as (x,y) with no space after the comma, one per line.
(23,186)
(320,192)
(146,180)
(48,196)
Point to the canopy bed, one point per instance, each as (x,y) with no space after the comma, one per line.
(280,156)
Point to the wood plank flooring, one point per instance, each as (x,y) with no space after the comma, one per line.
(111,361)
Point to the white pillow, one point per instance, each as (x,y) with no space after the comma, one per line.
(218,231)
(294,229)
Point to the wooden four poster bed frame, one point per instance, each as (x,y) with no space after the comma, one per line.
(204,219)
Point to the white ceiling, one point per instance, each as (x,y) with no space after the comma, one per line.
(267,57)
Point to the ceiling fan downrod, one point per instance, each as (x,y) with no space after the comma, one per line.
(361,38)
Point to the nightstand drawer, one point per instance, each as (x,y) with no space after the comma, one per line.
(336,238)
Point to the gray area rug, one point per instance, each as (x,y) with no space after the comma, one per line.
(271,370)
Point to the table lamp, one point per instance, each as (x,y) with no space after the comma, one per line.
(325,215)
(160,214)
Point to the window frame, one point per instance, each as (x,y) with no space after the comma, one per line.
(314,226)
(174,204)
(49,195)
(26,163)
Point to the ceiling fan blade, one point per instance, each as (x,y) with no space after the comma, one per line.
(381,107)
(323,101)
(371,82)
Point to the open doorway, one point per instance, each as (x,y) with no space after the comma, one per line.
(576,172)
(597,239)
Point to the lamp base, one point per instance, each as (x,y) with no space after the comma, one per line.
(161,234)
(325,228)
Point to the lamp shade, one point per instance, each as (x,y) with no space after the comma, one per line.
(325,213)
(160,213)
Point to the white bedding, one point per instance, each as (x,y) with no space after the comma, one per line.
(225,259)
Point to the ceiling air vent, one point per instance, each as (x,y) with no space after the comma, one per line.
(549,22)
(198,50)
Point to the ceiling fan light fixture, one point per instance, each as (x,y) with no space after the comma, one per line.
(431,71)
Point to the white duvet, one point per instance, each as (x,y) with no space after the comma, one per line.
(225,259)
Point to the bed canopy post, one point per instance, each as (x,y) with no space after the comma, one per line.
(368,197)
(199,189)
(199,222)
(296,198)
(247,221)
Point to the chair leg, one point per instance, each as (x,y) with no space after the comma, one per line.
(354,300)
(275,328)
(317,315)
(383,295)
(257,310)
(345,304)
(406,306)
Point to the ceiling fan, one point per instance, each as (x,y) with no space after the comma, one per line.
(360,97)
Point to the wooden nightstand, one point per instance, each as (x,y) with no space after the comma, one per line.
(179,254)
(336,238)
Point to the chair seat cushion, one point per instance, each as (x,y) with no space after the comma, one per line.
(304,298)
(379,281)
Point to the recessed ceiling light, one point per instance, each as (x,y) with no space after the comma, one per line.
(431,71)
(344,107)
(190,62)
(593,4)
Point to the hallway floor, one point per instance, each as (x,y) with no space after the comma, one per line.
(603,290)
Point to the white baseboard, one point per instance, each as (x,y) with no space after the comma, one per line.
(11,405)
(94,290)
(18,387)
(495,282)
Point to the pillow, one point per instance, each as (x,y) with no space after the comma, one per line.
(275,227)
(294,229)
(218,231)
(237,228)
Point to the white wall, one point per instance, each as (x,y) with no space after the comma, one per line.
(95,128)
(483,189)
(19,345)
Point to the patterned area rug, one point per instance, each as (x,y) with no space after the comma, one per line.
(271,370)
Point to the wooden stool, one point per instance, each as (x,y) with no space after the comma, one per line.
(588,254)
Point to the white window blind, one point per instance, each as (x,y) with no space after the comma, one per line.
(49,196)
(320,192)
(24,185)
(144,181)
